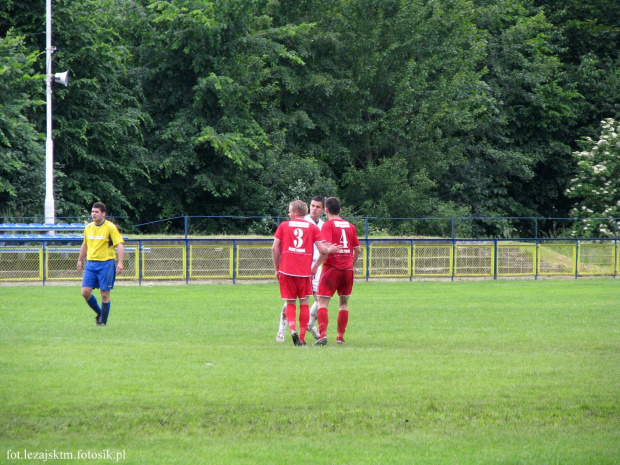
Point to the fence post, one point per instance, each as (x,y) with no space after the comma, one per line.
(140,260)
(576,258)
(615,257)
(44,258)
(495,248)
(616,246)
(234,258)
(187,257)
(367,248)
(536,260)
(412,259)
(367,271)
(453,257)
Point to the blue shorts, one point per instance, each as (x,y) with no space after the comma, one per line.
(100,275)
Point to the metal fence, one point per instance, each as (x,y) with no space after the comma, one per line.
(250,259)
(367,227)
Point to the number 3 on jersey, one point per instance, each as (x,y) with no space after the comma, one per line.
(299,237)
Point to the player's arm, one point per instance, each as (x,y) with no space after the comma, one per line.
(83,251)
(321,247)
(357,250)
(117,241)
(121,257)
(327,249)
(275,254)
(323,250)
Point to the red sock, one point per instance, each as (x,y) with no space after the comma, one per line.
(304,317)
(323,320)
(343,319)
(291,316)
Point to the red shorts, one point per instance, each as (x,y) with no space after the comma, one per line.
(293,287)
(333,279)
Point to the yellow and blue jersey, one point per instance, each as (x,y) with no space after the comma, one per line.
(101,240)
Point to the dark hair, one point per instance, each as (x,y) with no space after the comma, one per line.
(319,198)
(100,206)
(332,204)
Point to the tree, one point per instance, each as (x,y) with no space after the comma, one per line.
(226,126)
(595,188)
(587,36)
(412,94)
(387,189)
(237,106)
(519,153)
(98,119)
(586,40)
(21,150)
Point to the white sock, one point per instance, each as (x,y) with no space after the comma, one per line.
(313,314)
(283,322)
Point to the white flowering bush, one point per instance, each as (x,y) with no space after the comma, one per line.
(596,189)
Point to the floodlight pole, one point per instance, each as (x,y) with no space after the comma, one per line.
(50,208)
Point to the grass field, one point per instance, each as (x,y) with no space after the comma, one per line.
(493,372)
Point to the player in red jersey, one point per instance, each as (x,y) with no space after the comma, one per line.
(317,207)
(337,275)
(292,251)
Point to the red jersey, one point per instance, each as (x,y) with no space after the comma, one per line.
(343,233)
(297,238)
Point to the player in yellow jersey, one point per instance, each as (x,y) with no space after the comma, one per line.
(101,237)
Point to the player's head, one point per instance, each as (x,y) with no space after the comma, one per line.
(332,205)
(100,206)
(298,208)
(98,213)
(317,207)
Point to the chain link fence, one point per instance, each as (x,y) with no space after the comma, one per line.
(596,258)
(516,259)
(432,260)
(251,259)
(21,263)
(211,261)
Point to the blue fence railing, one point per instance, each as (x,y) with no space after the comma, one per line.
(477,227)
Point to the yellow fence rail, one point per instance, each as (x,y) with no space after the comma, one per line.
(245,259)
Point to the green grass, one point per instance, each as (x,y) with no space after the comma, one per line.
(493,372)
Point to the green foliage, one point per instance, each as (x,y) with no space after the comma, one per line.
(519,155)
(388,190)
(413,96)
(226,139)
(587,42)
(236,107)
(98,120)
(21,150)
(595,188)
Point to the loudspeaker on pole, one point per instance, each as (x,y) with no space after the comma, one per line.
(62,78)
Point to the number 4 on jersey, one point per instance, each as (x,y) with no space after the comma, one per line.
(344,241)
